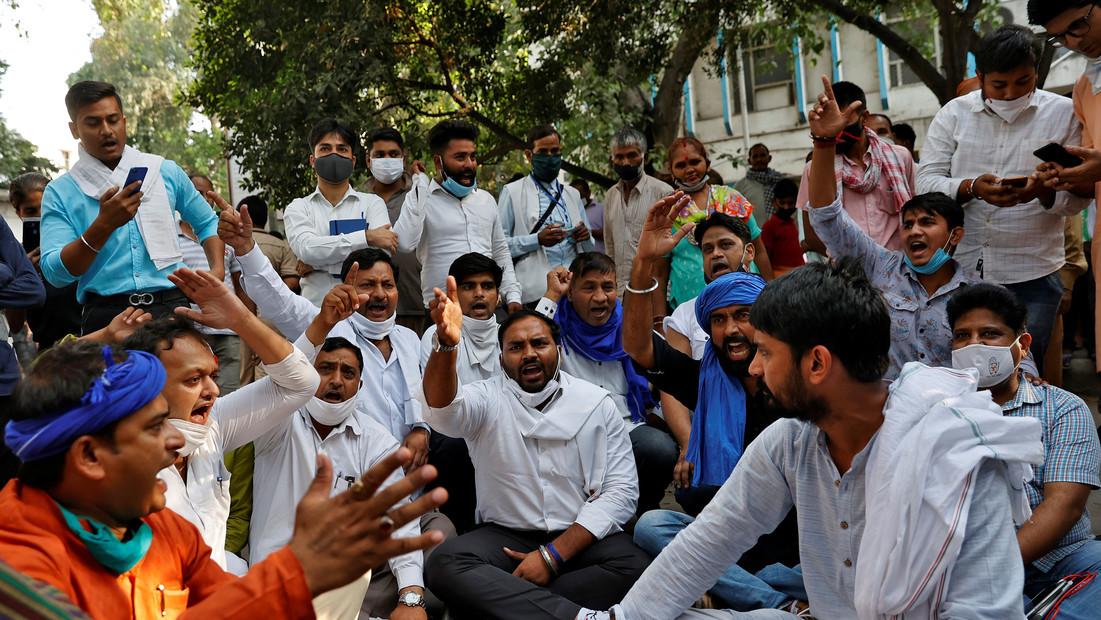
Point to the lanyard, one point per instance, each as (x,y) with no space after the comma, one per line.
(555,201)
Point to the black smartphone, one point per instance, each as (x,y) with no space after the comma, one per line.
(137,173)
(1055,153)
(31,228)
(1015,181)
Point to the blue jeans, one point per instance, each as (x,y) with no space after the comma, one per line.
(1041,297)
(739,590)
(1085,603)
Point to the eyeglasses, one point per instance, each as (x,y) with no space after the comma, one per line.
(1078,29)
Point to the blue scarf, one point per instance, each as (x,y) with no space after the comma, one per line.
(116,555)
(121,390)
(718,426)
(604,343)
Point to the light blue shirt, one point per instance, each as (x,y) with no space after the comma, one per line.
(560,254)
(123,264)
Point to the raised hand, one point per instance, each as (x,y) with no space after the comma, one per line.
(382,238)
(658,238)
(234,227)
(338,304)
(826,119)
(558,283)
(125,323)
(337,539)
(218,306)
(447,314)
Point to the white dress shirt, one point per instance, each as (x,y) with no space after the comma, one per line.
(624,216)
(545,470)
(388,385)
(441,228)
(307,221)
(467,373)
(683,321)
(965,140)
(235,420)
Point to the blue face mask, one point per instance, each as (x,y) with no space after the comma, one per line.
(455,188)
(940,257)
(116,555)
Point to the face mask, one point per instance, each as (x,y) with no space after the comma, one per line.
(194,434)
(372,330)
(693,188)
(117,556)
(386,170)
(940,257)
(785,214)
(851,134)
(330,414)
(455,188)
(532,400)
(546,167)
(333,168)
(1009,110)
(628,173)
(995,364)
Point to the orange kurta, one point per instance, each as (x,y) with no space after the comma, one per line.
(176,575)
(1088,108)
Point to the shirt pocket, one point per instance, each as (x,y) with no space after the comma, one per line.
(166,602)
(902,310)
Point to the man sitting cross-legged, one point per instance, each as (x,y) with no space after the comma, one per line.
(555,479)
(86,513)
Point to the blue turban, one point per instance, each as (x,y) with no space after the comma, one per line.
(121,390)
(604,343)
(718,427)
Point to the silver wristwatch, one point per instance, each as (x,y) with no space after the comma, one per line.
(440,348)
(411,599)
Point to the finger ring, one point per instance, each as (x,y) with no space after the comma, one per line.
(385,523)
(359,490)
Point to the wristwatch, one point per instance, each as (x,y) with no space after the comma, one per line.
(411,599)
(441,348)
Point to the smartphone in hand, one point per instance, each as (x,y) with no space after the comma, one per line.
(1017,182)
(137,173)
(1055,153)
(31,228)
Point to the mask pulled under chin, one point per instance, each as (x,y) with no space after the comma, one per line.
(372,330)
(330,414)
(693,188)
(455,188)
(532,400)
(194,434)
(995,364)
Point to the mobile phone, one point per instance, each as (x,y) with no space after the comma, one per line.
(1055,153)
(137,173)
(31,227)
(1015,181)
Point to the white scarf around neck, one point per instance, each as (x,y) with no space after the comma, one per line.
(480,342)
(372,330)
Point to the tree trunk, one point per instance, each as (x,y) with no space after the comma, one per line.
(697,34)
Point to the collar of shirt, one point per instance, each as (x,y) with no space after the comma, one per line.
(316,196)
(959,278)
(372,184)
(1027,394)
(643,179)
(351,423)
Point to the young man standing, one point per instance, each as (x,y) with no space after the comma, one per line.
(758,183)
(335,220)
(93,231)
(780,233)
(989,334)
(978,150)
(543,219)
(444,218)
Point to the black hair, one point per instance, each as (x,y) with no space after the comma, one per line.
(734,225)
(785,188)
(886,118)
(24,184)
(523,314)
(540,131)
(57,382)
(1040,12)
(714,178)
(388,134)
(334,343)
(987,296)
(87,92)
(198,175)
(847,92)
(367,257)
(759,145)
(1006,49)
(592,261)
(474,263)
(160,334)
(833,305)
(938,204)
(904,133)
(581,183)
(331,125)
(451,129)
(257,209)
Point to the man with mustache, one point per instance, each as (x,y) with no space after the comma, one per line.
(335,219)
(92,231)
(584,303)
(86,514)
(444,218)
(555,478)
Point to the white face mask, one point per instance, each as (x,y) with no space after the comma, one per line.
(194,434)
(995,364)
(387,169)
(330,414)
(1009,110)
(532,400)
(372,330)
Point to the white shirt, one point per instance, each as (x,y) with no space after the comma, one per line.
(286,463)
(683,321)
(454,228)
(235,420)
(570,463)
(965,140)
(308,221)
(623,220)
(467,373)
(388,385)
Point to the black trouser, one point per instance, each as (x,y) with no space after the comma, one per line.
(655,457)
(99,310)
(451,458)
(473,576)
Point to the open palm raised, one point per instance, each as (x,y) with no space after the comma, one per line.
(658,238)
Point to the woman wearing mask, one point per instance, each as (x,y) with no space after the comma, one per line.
(689,163)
